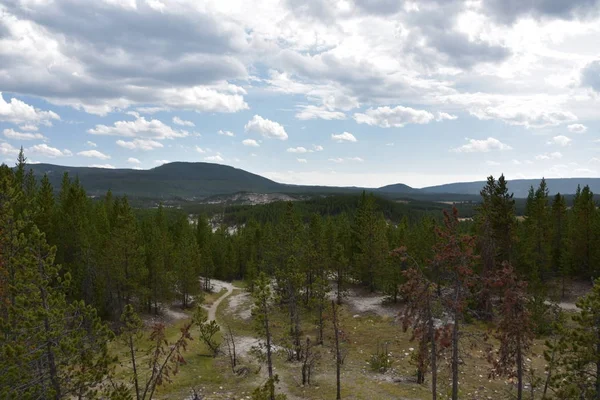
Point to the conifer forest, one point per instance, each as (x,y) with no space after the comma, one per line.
(103,300)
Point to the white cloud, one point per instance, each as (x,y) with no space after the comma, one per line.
(28,127)
(150,110)
(133,160)
(266,128)
(216,158)
(18,112)
(140,144)
(492,163)
(94,154)
(179,121)
(45,150)
(7,150)
(389,144)
(549,156)
(250,143)
(529,114)
(200,150)
(344,137)
(594,160)
(297,150)
(337,160)
(314,112)
(560,140)
(516,162)
(12,134)
(161,162)
(577,128)
(105,166)
(302,160)
(397,117)
(442,116)
(481,146)
(140,127)
(356,159)
(317,147)
(91,144)
(226,133)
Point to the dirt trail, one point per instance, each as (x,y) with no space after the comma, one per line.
(217,287)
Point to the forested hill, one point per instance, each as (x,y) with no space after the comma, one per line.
(199,180)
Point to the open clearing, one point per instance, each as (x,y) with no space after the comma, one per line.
(366,322)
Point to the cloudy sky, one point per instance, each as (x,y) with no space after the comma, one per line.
(336,92)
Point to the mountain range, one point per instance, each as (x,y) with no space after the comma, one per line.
(195,181)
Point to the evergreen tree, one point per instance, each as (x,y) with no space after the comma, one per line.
(370,242)
(186,263)
(124,256)
(584,234)
(560,253)
(537,233)
(261,312)
(455,254)
(579,352)
(53,348)
(45,207)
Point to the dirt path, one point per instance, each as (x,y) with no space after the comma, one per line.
(218,286)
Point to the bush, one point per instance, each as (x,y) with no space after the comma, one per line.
(380,361)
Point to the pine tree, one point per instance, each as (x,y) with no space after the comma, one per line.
(584,235)
(186,262)
(159,258)
(560,253)
(370,242)
(537,233)
(261,312)
(514,328)
(579,352)
(45,207)
(455,254)
(124,255)
(53,348)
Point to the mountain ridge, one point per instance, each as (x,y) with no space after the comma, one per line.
(196,180)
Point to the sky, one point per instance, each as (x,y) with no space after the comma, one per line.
(331,92)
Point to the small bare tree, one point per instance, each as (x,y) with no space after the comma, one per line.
(208,330)
(309,361)
(231,351)
(165,356)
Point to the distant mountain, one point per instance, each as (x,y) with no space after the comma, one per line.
(397,188)
(192,181)
(177,179)
(520,187)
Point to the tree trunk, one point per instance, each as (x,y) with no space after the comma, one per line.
(433,354)
(133,364)
(598,364)
(519,370)
(338,357)
(269,359)
(455,358)
(49,350)
(321,323)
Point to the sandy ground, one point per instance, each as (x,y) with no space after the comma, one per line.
(217,287)
(238,304)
